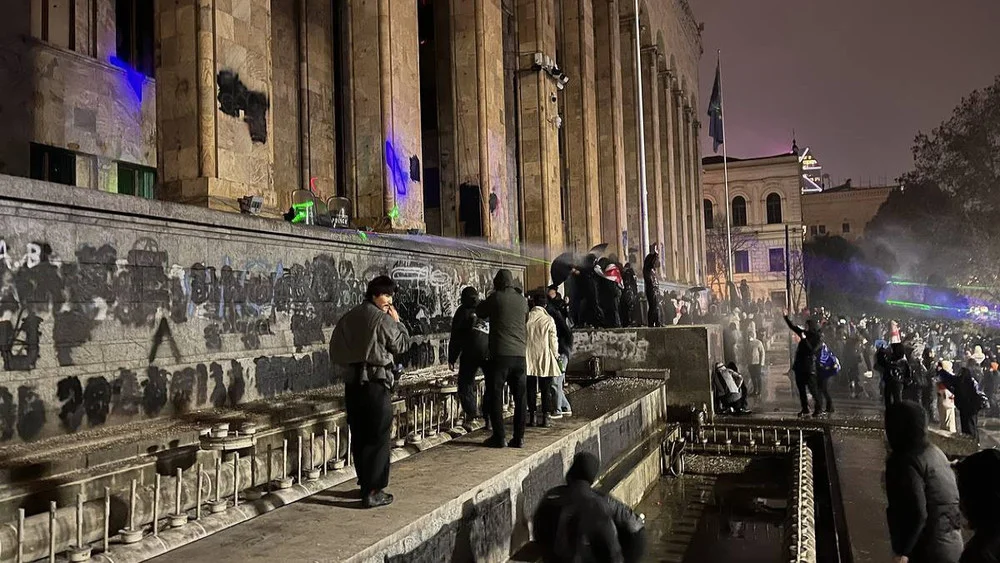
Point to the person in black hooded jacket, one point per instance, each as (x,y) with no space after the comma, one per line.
(574,523)
(469,345)
(979,491)
(507,311)
(804,365)
(923,502)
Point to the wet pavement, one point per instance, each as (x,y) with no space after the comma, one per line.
(727,508)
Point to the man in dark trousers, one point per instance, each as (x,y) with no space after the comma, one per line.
(804,365)
(469,345)
(362,347)
(649,279)
(507,312)
(630,295)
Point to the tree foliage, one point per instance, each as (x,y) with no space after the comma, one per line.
(942,224)
(842,276)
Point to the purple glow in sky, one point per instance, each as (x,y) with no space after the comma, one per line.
(855,79)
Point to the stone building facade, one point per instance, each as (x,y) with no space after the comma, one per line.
(843,211)
(765,198)
(441,116)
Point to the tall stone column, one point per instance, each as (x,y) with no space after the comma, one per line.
(580,124)
(699,199)
(610,129)
(539,138)
(668,168)
(385,112)
(695,193)
(213,98)
(654,175)
(630,100)
(473,134)
(683,187)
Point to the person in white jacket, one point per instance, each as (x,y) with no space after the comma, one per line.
(542,357)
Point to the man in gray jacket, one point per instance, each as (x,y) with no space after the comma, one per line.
(507,312)
(362,347)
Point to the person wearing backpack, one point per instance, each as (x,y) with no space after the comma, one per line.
(827,367)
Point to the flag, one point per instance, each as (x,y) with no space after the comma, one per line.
(715,111)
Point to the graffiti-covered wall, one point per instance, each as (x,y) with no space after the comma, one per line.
(114,309)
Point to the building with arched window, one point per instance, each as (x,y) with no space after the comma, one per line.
(765,198)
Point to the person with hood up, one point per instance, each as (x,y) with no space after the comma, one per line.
(979,491)
(542,357)
(507,312)
(923,503)
(804,364)
(610,282)
(630,294)
(363,346)
(576,524)
(650,280)
(469,345)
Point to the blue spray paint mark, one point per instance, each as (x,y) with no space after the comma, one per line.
(135,79)
(397,171)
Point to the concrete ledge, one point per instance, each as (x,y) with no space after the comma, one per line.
(685,352)
(459,501)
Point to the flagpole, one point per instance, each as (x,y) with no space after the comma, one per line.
(725,172)
(641,125)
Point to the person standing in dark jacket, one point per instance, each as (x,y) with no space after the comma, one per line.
(574,523)
(650,280)
(928,390)
(469,345)
(923,503)
(630,294)
(507,312)
(363,346)
(968,400)
(979,491)
(609,292)
(804,365)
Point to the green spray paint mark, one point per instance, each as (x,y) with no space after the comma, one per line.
(394,214)
(301,211)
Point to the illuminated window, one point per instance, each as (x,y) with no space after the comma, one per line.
(134,34)
(776,259)
(53,165)
(739,212)
(136,180)
(709,216)
(53,21)
(846,227)
(741,261)
(773,209)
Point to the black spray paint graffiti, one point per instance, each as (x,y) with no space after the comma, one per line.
(142,291)
(235,99)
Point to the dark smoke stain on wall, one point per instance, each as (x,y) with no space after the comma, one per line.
(236,100)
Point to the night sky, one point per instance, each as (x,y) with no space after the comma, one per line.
(855,79)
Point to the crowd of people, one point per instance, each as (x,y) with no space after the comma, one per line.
(603,293)
(521,342)
(944,367)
